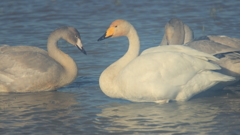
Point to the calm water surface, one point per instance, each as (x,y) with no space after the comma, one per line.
(81,107)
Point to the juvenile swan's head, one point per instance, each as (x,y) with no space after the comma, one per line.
(71,35)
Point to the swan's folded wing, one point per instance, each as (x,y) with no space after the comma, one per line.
(172,65)
(22,70)
(23,64)
(183,49)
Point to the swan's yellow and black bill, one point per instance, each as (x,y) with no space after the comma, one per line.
(103,37)
(108,34)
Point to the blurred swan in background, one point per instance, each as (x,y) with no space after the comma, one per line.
(160,73)
(225,48)
(31,69)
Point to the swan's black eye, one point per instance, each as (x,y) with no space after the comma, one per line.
(116,26)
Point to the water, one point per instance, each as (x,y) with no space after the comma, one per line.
(81,107)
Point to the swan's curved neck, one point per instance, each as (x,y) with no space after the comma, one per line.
(133,49)
(68,64)
(109,76)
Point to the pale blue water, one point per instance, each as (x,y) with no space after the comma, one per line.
(81,107)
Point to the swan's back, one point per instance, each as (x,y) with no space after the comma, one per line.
(183,49)
(210,47)
(26,70)
(9,49)
(225,40)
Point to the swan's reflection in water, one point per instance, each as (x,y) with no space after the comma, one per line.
(187,117)
(21,109)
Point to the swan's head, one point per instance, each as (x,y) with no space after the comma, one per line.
(73,37)
(117,28)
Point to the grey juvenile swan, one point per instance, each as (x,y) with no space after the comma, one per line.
(31,69)
(227,49)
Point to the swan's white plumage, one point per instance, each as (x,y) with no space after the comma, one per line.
(159,74)
(167,75)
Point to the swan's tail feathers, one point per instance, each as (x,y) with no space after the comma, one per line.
(218,77)
(200,83)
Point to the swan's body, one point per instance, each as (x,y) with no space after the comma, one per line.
(225,40)
(171,73)
(178,33)
(31,69)
(225,48)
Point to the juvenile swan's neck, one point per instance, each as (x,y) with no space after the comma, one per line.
(68,64)
(108,77)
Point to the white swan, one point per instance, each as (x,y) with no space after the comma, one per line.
(31,69)
(225,48)
(171,73)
